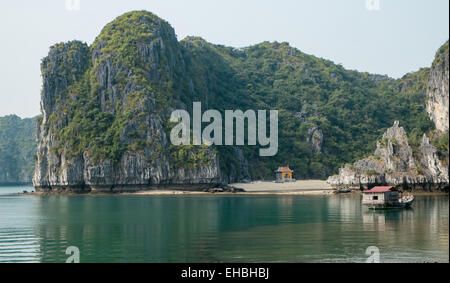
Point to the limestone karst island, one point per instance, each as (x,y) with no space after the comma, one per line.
(358,160)
(106,107)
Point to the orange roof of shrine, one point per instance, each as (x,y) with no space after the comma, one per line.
(284,170)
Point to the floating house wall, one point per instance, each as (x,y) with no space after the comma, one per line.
(380,198)
(376,198)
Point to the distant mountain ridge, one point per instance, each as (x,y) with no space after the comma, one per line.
(17,150)
(106,107)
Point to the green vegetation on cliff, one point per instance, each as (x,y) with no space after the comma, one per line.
(441,55)
(328,115)
(96,128)
(351,109)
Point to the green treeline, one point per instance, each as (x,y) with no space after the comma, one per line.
(17,149)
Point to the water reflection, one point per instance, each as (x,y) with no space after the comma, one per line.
(18,240)
(220,229)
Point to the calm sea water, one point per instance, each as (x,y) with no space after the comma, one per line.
(215,228)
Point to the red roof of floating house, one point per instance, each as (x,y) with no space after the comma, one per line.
(379,190)
(285,170)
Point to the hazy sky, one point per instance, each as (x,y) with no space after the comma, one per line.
(402,36)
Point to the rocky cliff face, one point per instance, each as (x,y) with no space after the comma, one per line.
(106,107)
(438,91)
(104,113)
(396,163)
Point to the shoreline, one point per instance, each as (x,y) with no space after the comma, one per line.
(307,187)
(183,193)
(303,187)
(191,193)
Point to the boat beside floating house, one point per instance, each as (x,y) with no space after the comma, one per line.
(386,198)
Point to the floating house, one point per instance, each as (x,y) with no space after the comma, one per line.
(284,174)
(386,197)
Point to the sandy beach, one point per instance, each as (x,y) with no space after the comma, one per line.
(306,187)
(298,187)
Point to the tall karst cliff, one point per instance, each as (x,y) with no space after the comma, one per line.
(104,113)
(106,108)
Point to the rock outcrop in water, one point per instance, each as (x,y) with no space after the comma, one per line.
(395,163)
